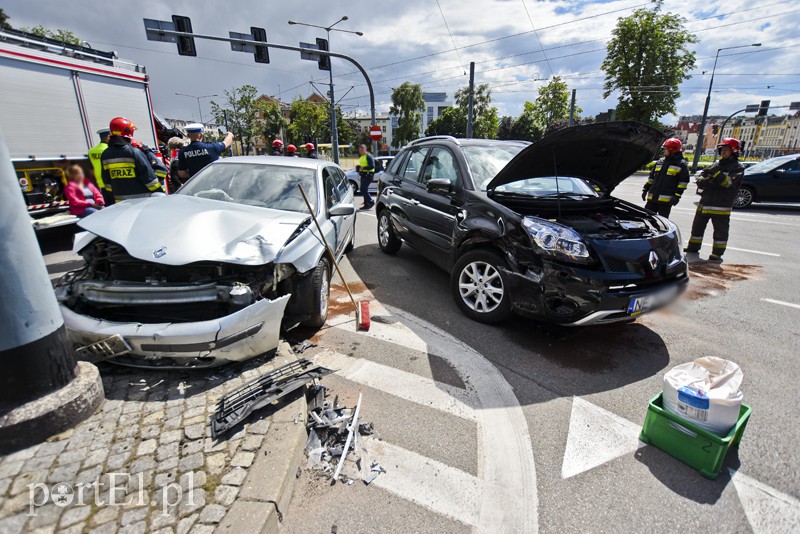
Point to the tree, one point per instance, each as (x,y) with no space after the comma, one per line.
(308,120)
(452,121)
(272,121)
(504,128)
(485,122)
(552,104)
(526,127)
(647,59)
(4,25)
(65,36)
(342,127)
(407,106)
(243,112)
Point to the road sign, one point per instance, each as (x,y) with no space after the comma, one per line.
(751,108)
(375,132)
(154,29)
(311,56)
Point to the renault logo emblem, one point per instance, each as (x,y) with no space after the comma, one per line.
(653,260)
(157,253)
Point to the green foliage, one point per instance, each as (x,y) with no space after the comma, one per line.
(244,111)
(647,59)
(504,128)
(65,36)
(552,104)
(308,119)
(453,120)
(343,127)
(407,106)
(526,127)
(360,137)
(272,121)
(4,25)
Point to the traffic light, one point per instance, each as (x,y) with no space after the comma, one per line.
(262,52)
(324,61)
(763,108)
(185,44)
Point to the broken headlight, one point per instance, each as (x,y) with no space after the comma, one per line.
(556,240)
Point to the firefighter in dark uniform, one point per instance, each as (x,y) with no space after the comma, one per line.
(718,186)
(311,151)
(277,148)
(668,180)
(156,164)
(126,168)
(198,154)
(291,151)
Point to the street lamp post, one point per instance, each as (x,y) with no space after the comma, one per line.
(328,30)
(198,102)
(701,134)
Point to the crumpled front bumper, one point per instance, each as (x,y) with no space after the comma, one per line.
(241,335)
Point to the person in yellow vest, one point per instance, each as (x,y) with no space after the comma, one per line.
(366,170)
(95,154)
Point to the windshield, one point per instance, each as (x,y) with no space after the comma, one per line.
(265,186)
(768,165)
(485,161)
(548,186)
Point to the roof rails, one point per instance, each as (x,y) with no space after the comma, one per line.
(435,137)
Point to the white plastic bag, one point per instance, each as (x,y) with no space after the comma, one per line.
(705,392)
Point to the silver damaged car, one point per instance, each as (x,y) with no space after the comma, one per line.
(210,274)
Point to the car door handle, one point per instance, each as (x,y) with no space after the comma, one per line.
(411,201)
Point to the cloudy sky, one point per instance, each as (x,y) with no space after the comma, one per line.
(515,44)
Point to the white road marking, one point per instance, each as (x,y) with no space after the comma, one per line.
(742,218)
(767,509)
(434,485)
(773,254)
(782,303)
(403,384)
(596,436)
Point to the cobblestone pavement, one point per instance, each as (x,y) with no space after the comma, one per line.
(148,448)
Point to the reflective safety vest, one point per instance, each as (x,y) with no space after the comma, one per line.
(95,153)
(127,171)
(365,168)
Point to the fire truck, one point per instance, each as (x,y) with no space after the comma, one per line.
(53,98)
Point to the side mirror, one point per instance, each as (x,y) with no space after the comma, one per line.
(439,186)
(342,210)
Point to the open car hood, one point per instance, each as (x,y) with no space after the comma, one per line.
(605,153)
(181,229)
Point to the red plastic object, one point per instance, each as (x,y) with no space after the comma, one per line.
(363,319)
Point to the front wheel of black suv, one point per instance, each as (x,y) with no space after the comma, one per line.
(387,239)
(479,288)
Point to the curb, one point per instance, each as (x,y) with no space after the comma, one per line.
(267,489)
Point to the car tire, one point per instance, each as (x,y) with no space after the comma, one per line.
(355,185)
(352,244)
(487,302)
(387,239)
(744,197)
(321,291)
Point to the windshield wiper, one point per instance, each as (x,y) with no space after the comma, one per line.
(567,195)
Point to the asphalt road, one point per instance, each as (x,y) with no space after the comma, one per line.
(443,390)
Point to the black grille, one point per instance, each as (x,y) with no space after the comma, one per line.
(616,265)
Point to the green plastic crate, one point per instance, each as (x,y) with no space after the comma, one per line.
(687,442)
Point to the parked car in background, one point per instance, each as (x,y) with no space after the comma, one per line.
(772,180)
(381,162)
(533,228)
(208,275)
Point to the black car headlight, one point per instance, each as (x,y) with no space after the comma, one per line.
(556,240)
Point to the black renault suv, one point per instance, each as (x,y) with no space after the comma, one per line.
(532,228)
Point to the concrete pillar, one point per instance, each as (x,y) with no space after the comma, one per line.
(43,391)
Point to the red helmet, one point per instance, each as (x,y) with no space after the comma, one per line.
(291,149)
(309,146)
(673,144)
(277,143)
(121,126)
(731,143)
(136,143)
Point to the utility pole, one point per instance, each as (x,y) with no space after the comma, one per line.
(470,109)
(572,109)
(199,109)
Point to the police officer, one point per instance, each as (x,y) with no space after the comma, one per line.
(366,170)
(125,167)
(668,179)
(718,186)
(94,156)
(291,151)
(277,148)
(198,154)
(311,151)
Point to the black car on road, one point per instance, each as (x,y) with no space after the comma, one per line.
(532,228)
(772,180)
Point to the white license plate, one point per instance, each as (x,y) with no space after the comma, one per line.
(104,349)
(644,304)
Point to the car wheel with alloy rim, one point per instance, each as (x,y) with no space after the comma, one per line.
(744,197)
(387,239)
(479,287)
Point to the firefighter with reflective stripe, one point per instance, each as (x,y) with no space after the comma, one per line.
(126,168)
(156,164)
(668,180)
(198,154)
(94,156)
(366,170)
(718,186)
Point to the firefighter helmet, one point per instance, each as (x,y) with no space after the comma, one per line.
(291,149)
(121,126)
(277,143)
(673,144)
(731,143)
(309,146)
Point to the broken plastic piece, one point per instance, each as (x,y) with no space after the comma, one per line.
(352,426)
(304,346)
(244,400)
